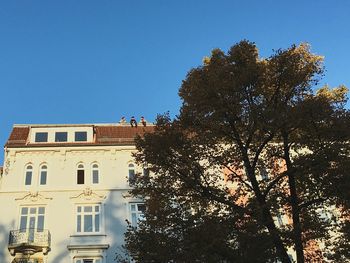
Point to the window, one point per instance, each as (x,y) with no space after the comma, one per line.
(61,136)
(264,174)
(32,218)
(326,214)
(88,218)
(41,137)
(80,136)
(137,211)
(43,175)
(80,174)
(95,174)
(279,218)
(28,175)
(131,174)
(145,171)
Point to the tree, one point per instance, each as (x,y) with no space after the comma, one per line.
(252,142)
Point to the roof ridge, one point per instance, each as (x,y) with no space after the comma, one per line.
(117,124)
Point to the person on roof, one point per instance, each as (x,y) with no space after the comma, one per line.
(133,122)
(122,120)
(143,121)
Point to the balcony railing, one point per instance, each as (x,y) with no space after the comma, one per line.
(29,241)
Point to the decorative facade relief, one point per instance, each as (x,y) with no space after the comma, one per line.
(33,197)
(89,195)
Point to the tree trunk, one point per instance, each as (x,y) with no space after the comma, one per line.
(267,218)
(269,223)
(297,231)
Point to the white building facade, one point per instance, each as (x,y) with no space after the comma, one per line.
(64,192)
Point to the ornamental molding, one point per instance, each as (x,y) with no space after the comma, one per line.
(89,195)
(33,197)
(7,166)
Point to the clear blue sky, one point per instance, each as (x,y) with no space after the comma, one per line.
(87,61)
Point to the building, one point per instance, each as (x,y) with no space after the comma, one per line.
(64,192)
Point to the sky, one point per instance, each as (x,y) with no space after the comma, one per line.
(86,61)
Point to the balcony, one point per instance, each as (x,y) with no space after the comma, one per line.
(29,241)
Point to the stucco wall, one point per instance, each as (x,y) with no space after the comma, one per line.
(61,195)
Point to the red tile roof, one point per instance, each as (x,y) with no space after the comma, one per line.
(119,133)
(103,135)
(18,136)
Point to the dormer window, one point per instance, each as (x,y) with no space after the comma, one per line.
(41,137)
(80,136)
(61,136)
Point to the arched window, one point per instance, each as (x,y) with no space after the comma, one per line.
(43,175)
(145,170)
(28,175)
(95,174)
(80,174)
(131,174)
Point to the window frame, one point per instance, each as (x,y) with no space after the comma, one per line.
(82,213)
(280,218)
(27,215)
(145,171)
(131,174)
(139,214)
(41,170)
(95,168)
(60,133)
(264,174)
(78,175)
(36,138)
(76,136)
(26,170)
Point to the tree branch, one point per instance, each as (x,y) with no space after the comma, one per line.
(239,177)
(205,191)
(261,147)
(273,183)
(311,202)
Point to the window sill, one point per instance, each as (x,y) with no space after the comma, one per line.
(88,234)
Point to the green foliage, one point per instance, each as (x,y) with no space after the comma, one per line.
(241,114)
